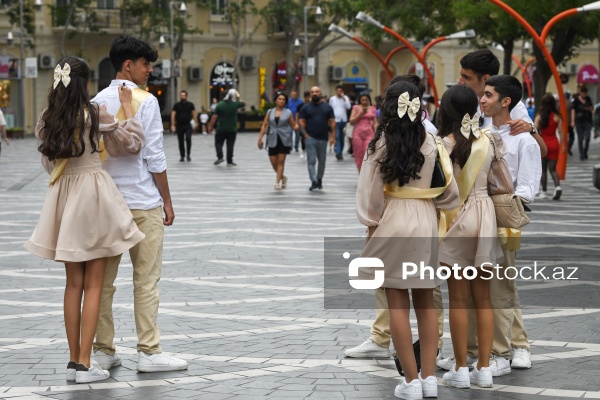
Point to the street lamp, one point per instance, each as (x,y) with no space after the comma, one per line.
(10,40)
(362,16)
(319,15)
(182,10)
(341,31)
(540,41)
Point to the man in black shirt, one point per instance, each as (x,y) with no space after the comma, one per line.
(318,124)
(581,119)
(181,117)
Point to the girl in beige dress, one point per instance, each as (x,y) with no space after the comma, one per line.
(401,228)
(471,239)
(84,219)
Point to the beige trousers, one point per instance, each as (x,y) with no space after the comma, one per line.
(146,257)
(380,331)
(509,331)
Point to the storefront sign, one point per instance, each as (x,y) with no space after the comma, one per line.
(166,69)
(222,73)
(588,74)
(31,70)
(262,85)
(9,67)
(156,77)
(356,73)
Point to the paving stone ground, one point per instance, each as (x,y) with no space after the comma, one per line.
(242,290)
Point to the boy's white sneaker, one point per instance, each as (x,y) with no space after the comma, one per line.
(409,391)
(482,377)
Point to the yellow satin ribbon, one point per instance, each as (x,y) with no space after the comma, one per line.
(509,237)
(409,192)
(138,97)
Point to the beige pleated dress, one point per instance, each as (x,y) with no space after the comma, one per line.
(401,230)
(472,237)
(84,215)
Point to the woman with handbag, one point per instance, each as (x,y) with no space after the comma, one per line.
(363,120)
(471,237)
(547,122)
(396,201)
(278,125)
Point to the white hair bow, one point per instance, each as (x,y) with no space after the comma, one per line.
(405,104)
(62,75)
(470,125)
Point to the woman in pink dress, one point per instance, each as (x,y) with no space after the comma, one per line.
(363,119)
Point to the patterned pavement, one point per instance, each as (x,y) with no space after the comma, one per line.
(242,290)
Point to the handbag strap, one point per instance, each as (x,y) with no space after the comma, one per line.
(497,159)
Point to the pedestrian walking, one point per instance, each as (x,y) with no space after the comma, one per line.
(3,130)
(280,123)
(226,118)
(363,118)
(84,220)
(293,105)
(340,104)
(581,119)
(318,122)
(395,185)
(183,113)
(204,121)
(549,122)
(142,179)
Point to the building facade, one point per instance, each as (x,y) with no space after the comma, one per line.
(208,62)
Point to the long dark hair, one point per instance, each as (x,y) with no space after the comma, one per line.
(64,115)
(403,159)
(456,102)
(547,107)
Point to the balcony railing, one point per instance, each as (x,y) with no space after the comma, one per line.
(95,19)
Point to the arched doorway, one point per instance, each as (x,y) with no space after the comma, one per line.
(106,73)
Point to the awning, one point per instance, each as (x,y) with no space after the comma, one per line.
(588,74)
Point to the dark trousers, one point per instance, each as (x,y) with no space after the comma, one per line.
(220,139)
(571,137)
(184,131)
(584,130)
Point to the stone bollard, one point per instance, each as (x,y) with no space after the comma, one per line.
(597,176)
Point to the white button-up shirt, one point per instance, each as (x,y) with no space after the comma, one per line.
(524,161)
(340,106)
(519,112)
(133,174)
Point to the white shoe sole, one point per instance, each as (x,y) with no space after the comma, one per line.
(429,393)
(501,372)
(519,366)
(89,379)
(368,354)
(71,374)
(457,384)
(161,368)
(408,396)
(482,383)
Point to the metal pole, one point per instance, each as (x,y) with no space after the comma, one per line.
(305,51)
(172,78)
(22,71)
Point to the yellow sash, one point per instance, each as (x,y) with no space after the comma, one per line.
(468,174)
(509,237)
(138,97)
(408,192)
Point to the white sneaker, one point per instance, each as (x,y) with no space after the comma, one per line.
(429,386)
(557,193)
(92,374)
(521,358)
(482,377)
(159,363)
(368,349)
(302,154)
(447,363)
(458,379)
(542,195)
(71,370)
(106,361)
(412,390)
(498,365)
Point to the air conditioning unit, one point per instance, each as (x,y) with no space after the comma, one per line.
(195,73)
(247,62)
(336,73)
(572,69)
(46,61)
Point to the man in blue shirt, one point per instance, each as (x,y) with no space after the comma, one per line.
(293,104)
(318,124)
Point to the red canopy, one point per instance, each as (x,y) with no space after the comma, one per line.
(588,74)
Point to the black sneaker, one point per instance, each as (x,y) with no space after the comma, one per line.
(219,161)
(320,184)
(181,159)
(189,158)
(231,164)
(339,157)
(314,186)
